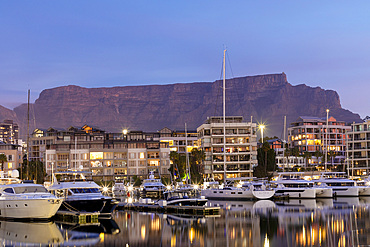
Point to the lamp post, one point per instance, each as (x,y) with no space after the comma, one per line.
(262,127)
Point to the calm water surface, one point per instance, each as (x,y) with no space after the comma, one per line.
(325,222)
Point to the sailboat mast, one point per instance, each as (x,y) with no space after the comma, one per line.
(224,114)
(284,141)
(28,133)
(187,156)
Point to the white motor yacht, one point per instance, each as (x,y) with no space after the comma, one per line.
(292,185)
(80,194)
(152,187)
(27,201)
(239,192)
(181,198)
(339,183)
(363,187)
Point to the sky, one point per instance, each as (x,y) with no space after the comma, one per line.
(94,43)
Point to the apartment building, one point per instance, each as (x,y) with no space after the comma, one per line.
(179,140)
(358,152)
(311,134)
(14,157)
(240,147)
(9,132)
(108,156)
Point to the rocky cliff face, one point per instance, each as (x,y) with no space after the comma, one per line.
(268,98)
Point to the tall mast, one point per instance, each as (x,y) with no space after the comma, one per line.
(284,141)
(28,133)
(187,156)
(224,115)
(326,141)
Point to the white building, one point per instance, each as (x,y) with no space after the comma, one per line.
(240,147)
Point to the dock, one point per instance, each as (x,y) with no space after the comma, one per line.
(171,209)
(77,217)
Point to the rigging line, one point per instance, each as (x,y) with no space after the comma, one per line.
(236,90)
(219,88)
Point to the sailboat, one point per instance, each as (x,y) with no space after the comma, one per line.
(244,191)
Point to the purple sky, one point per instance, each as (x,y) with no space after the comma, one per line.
(46,44)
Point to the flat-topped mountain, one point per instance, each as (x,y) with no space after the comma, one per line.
(268,98)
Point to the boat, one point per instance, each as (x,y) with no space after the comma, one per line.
(81,195)
(339,183)
(152,187)
(292,185)
(27,201)
(40,233)
(181,198)
(246,190)
(119,189)
(363,187)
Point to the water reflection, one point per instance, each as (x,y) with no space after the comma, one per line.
(16,233)
(321,222)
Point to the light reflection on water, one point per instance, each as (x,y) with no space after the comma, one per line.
(321,222)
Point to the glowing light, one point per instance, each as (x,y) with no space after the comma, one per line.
(105,189)
(196,186)
(130,188)
(143,230)
(125,131)
(191,234)
(267,242)
(130,200)
(168,187)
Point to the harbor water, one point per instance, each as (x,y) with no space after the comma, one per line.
(312,222)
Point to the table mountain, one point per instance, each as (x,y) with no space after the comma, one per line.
(268,98)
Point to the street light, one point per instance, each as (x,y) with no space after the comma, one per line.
(125,131)
(262,127)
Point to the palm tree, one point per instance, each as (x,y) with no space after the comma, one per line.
(307,156)
(3,159)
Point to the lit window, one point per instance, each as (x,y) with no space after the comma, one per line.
(142,156)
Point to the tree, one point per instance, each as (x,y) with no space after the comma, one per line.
(3,159)
(36,171)
(178,166)
(266,161)
(331,157)
(307,156)
(196,169)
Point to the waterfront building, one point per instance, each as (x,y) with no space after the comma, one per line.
(178,140)
(13,154)
(108,156)
(312,135)
(240,147)
(358,152)
(9,132)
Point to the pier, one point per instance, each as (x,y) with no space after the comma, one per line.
(172,209)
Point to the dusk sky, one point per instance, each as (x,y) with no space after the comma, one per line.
(46,44)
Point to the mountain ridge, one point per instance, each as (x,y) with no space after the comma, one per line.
(268,98)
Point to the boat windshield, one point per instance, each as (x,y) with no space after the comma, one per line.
(30,189)
(85,190)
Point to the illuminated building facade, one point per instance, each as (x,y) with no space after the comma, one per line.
(9,132)
(358,151)
(240,147)
(179,140)
(108,156)
(13,154)
(309,134)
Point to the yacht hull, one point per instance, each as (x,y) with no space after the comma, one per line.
(296,192)
(324,192)
(345,191)
(29,208)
